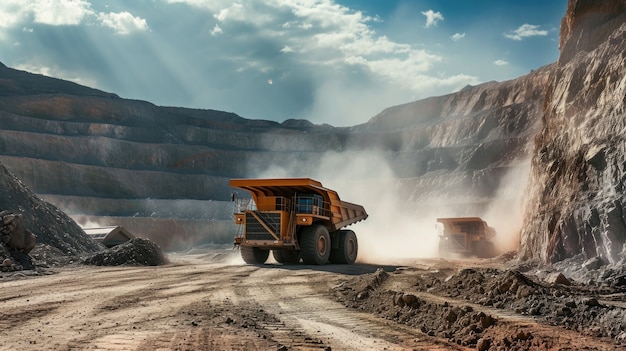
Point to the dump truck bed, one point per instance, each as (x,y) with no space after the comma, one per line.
(340,213)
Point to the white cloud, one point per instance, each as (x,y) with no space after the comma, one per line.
(216,30)
(12,12)
(235,11)
(56,73)
(60,12)
(500,63)
(457,36)
(123,22)
(525,31)
(65,13)
(432,18)
(296,24)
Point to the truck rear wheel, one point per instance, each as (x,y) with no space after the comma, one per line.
(487,250)
(254,255)
(348,248)
(286,256)
(315,244)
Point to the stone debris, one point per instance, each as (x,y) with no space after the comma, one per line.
(137,251)
(15,242)
(14,235)
(557,278)
(594,263)
(425,306)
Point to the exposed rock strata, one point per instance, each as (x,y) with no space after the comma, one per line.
(578,177)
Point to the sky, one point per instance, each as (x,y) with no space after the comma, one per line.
(338,62)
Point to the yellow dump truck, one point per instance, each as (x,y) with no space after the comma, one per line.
(295,218)
(467,236)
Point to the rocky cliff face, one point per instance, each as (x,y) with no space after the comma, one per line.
(578,177)
(458,148)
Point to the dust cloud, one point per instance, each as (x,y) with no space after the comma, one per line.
(505,211)
(398,227)
(85,222)
(393,230)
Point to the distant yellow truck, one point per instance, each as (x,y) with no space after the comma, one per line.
(295,218)
(467,236)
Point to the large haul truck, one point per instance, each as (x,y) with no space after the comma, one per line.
(466,236)
(295,218)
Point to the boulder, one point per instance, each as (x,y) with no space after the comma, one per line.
(594,263)
(557,278)
(14,235)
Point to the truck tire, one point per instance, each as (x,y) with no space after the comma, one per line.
(444,249)
(348,248)
(254,255)
(490,250)
(286,256)
(485,249)
(315,244)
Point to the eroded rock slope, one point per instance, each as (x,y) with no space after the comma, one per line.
(577,184)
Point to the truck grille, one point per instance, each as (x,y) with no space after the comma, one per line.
(457,242)
(256,231)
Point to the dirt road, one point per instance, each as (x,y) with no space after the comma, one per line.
(195,304)
(214,302)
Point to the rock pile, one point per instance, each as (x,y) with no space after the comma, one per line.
(15,242)
(51,226)
(60,241)
(137,251)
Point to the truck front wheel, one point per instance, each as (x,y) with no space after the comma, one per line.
(347,249)
(286,256)
(315,245)
(254,255)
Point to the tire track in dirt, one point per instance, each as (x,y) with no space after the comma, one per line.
(309,319)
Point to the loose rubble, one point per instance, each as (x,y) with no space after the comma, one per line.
(464,305)
(137,251)
(15,243)
(18,251)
